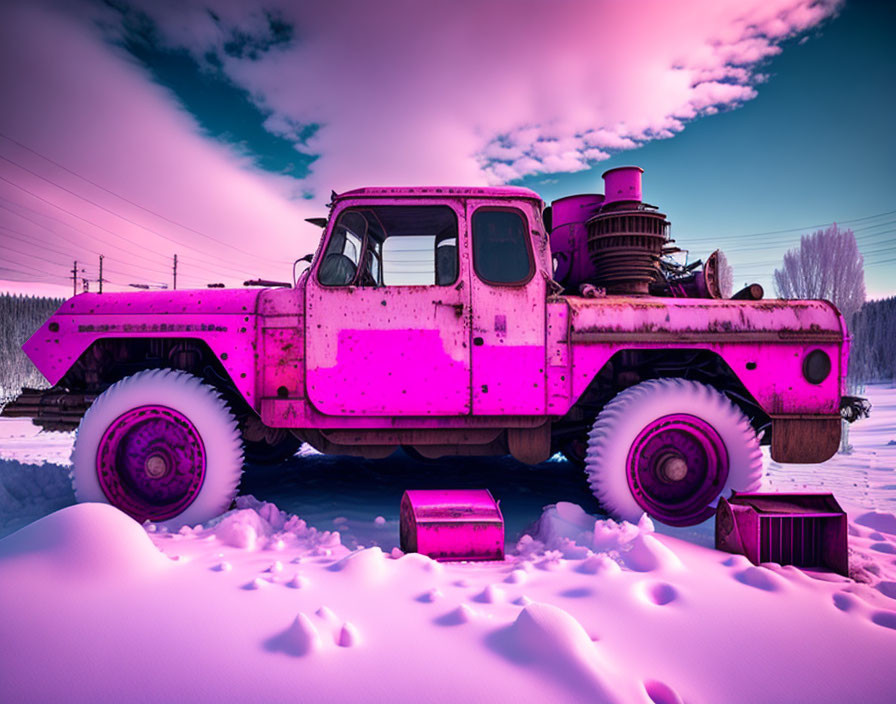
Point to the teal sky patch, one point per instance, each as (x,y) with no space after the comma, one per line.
(223,110)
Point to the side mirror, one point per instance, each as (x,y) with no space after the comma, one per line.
(307,258)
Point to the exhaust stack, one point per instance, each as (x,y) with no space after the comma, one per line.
(623,184)
(626,238)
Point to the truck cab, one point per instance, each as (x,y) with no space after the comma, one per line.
(429,303)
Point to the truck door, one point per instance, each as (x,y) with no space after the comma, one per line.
(508,293)
(387,313)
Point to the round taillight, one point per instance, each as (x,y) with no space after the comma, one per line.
(816,366)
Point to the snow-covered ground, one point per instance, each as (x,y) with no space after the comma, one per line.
(314,602)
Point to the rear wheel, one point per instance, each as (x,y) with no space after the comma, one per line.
(161,446)
(670,448)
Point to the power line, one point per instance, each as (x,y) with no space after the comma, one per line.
(208,267)
(28,239)
(871,239)
(121,197)
(812,227)
(69,226)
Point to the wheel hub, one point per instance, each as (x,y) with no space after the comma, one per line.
(673,469)
(156,466)
(151,463)
(676,467)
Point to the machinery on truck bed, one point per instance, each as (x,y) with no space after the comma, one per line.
(450,321)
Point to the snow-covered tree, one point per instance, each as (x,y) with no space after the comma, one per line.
(827,264)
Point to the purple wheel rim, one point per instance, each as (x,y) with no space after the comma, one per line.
(151,463)
(676,467)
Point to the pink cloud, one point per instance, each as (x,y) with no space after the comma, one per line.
(98,114)
(462,92)
(404,93)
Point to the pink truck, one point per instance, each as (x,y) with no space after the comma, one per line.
(450,321)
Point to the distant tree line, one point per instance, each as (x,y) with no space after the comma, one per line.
(20,316)
(873,353)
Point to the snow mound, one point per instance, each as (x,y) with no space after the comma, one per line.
(490,595)
(415,562)
(86,541)
(566,528)
(610,535)
(301,638)
(461,615)
(647,553)
(564,520)
(348,636)
(244,529)
(554,638)
(259,525)
(600,563)
(544,630)
(364,566)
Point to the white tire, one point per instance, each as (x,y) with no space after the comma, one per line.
(670,448)
(160,445)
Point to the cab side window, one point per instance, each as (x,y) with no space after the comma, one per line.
(501,252)
(389,245)
(340,263)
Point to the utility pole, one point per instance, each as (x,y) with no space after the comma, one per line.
(75,278)
(175,272)
(101,273)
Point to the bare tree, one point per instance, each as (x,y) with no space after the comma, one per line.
(827,265)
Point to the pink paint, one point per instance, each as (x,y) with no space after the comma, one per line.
(452,524)
(471,355)
(622,184)
(223,319)
(151,463)
(569,236)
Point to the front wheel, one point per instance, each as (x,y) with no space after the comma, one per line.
(670,448)
(161,446)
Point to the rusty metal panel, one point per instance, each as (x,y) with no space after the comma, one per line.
(297,413)
(805,440)
(281,302)
(764,342)
(224,319)
(786,320)
(282,366)
(435,436)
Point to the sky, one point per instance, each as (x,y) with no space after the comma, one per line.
(144,129)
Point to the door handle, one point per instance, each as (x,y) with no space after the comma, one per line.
(458,307)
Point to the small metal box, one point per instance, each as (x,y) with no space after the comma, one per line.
(452,524)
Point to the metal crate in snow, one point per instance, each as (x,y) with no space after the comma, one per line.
(805,530)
